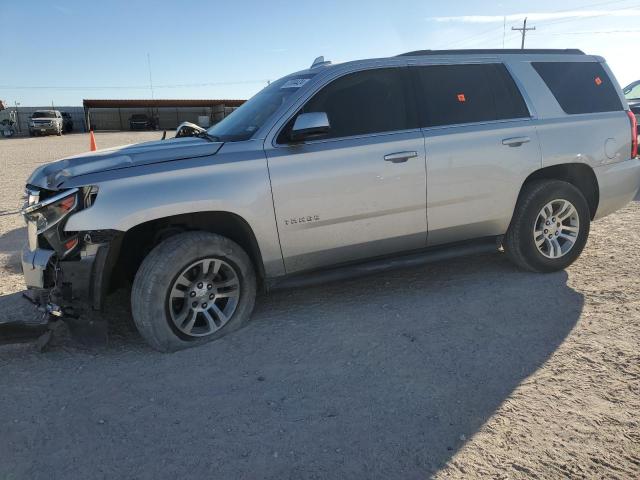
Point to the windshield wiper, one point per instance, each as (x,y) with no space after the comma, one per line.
(206,135)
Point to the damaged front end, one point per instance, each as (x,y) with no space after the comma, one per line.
(64,271)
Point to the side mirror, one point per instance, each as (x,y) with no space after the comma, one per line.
(309,126)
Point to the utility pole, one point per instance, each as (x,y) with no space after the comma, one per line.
(18,116)
(523,30)
(150,79)
(504,29)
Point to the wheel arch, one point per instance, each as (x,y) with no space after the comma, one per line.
(579,175)
(136,243)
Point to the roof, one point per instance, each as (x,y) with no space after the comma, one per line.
(495,51)
(158,103)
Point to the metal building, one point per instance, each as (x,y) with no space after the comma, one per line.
(167,114)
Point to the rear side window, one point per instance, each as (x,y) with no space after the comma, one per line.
(371,101)
(456,94)
(580,87)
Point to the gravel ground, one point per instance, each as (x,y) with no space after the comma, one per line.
(468,368)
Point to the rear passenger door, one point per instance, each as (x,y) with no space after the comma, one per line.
(480,146)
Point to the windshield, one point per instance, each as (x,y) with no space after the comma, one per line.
(632,92)
(247,120)
(44,114)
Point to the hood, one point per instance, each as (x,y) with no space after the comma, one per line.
(53,175)
(634,104)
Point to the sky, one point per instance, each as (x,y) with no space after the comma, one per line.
(63,51)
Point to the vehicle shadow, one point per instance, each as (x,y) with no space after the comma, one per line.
(380,377)
(10,245)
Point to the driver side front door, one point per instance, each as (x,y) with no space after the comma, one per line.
(360,192)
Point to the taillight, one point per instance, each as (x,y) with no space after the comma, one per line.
(634,134)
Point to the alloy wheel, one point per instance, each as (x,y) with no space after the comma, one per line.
(556,228)
(204,297)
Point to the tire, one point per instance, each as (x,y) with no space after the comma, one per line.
(521,243)
(154,309)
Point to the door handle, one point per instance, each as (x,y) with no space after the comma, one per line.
(400,157)
(515,141)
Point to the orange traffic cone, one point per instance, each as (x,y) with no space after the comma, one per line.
(92,141)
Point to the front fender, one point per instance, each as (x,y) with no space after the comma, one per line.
(237,185)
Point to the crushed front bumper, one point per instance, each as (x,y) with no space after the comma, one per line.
(81,279)
(34,265)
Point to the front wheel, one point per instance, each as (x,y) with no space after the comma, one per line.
(550,226)
(192,288)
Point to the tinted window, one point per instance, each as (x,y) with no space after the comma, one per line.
(508,99)
(454,94)
(580,87)
(360,103)
(44,114)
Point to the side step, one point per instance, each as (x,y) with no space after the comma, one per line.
(422,257)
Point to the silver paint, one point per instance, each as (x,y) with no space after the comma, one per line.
(372,195)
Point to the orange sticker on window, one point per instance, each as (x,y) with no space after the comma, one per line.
(461,97)
(598,81)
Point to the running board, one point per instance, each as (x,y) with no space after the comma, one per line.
(423,257)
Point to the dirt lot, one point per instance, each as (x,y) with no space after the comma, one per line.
(468,368)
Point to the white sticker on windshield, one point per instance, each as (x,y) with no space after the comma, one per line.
(295,83)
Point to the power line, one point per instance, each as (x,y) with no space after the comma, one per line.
(575,18)
(594,32)
(492,33)
(127,87)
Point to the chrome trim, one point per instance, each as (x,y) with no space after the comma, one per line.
(50,200)
(32,235)
(310,121)
(472,124)
(340,139)
(515,141)
(34,264)
(400,157)
(33,196)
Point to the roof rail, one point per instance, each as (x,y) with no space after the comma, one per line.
(495,51)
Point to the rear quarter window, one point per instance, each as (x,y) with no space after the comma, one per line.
(579,87)
(459,94)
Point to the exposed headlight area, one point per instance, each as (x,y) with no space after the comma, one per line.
(49,212)
(46,212)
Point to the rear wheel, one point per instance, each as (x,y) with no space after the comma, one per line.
(192,288)
(550,226)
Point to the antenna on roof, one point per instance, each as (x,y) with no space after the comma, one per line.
(319,62)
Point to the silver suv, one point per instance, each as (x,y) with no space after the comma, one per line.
(389,161)
(44,122)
